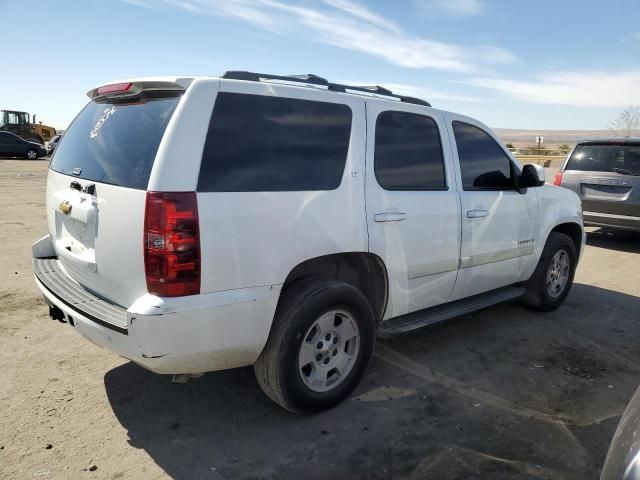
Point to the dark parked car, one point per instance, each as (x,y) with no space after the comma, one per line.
(623,459)
(13,146)
(606,175)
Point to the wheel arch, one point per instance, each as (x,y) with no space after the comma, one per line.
(364,270)
(573,230)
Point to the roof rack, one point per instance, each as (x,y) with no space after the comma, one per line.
(311,79)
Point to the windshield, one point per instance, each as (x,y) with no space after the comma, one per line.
(606,157)
(115,143)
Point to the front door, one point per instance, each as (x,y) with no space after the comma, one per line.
(413,211)
(499,224)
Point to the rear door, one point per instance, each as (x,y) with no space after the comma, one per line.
(413,212)
(4,147)
(606,176)
(11,144)
(96,192)
(499,224)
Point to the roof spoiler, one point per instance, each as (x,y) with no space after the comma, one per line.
(126,90)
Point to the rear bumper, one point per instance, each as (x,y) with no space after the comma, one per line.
(194,334)
(610,220)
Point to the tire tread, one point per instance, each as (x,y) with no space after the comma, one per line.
(535,296)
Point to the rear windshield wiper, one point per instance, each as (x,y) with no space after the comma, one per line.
(624,171)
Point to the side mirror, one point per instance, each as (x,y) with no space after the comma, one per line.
(532,176)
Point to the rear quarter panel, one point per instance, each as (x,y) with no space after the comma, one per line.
(250,239)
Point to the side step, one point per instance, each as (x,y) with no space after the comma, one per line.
(429,316)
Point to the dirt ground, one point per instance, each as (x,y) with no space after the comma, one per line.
(502,393)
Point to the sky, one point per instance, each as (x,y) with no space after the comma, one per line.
(525,64)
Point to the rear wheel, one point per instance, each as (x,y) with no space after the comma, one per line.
(31,154)
(319,346)
(551,281)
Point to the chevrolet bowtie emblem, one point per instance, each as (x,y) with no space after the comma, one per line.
(65,207)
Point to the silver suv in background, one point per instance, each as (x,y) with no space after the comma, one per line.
(605,173)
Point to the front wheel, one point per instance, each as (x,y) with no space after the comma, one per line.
(31,154)
(552,279)
(319,347)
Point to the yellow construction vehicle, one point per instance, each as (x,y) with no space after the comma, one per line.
(20,123)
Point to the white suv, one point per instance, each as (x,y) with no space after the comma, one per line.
(199,224)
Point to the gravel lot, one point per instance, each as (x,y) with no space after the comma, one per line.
(502,393)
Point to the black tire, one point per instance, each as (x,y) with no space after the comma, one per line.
(300,306)
(537,295)
(31,154)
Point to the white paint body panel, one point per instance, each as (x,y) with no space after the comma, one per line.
(187,335)
(420,251)
(257,238)
(511,223)
(250,242)
(179,154)
(558,205)
(104,255)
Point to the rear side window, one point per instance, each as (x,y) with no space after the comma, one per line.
(408,152)
(8,138)
(115,143)
(483,164)
(259,143)
(606,157)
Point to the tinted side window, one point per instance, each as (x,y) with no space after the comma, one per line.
(10,139)
(259,143)
(408,152)
(483,164)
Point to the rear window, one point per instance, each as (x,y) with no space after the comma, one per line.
(115,143)
(264,144)
(603,157)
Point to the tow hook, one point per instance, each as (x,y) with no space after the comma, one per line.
(185,377)
(56,314)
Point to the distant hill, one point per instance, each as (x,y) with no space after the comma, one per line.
(514,135)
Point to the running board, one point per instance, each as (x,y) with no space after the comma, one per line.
(429,316)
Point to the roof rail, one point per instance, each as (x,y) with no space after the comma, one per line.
(256,77)
(311,79)
(376,89)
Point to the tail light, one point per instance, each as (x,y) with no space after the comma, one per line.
(172,244)
(557,180)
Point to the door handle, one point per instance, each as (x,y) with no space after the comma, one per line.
(389,216)
(477,213)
